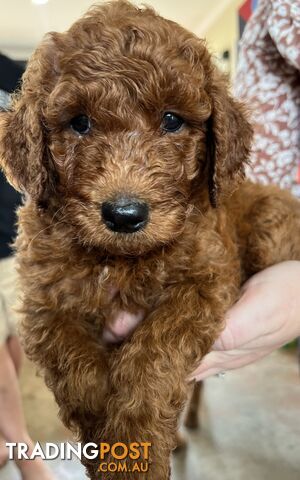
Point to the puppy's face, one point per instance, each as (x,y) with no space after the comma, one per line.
(127,138)
(124,104)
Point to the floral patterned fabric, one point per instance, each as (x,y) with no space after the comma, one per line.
(268,79)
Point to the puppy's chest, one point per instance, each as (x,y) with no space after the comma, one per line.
(98,288)
(141,283)
(135,285)
(130,285)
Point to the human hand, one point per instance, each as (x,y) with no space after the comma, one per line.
(122,326)
(266,317)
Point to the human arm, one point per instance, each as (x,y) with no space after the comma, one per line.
(266,317)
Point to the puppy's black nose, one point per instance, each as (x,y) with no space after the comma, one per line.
(125,215)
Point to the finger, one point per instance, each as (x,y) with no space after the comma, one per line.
(210,361)
(208,373)
(219,361)
(216,362)
(109,337)
(122,326)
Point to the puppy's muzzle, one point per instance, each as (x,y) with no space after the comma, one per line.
(125,215)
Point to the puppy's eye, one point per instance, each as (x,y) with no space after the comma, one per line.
(171,122)
(81,124)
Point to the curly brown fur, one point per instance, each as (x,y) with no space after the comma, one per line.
(124,67)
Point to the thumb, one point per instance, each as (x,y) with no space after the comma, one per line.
(122,326)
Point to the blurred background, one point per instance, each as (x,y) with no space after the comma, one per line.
(24,22)
(250,419)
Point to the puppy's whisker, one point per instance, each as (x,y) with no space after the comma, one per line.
(52,224)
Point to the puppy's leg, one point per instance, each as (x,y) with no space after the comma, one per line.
(180,441)
(274,230)
(73,362)
(150,376)
(190,415)
(192,420)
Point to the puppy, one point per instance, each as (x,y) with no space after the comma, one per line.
(131,154)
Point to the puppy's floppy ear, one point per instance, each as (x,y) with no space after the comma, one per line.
(229,136)
(23,151)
